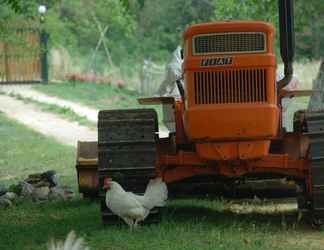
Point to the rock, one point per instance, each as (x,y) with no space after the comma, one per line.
(26,189)
(42,183)
(51,177)
(5,202)
(34,178)
(61,193)
(3,190)
(56,193)
(10,196)
(40,193)
(48,178)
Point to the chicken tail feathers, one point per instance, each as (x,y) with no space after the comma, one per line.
(156,193)
(71,243)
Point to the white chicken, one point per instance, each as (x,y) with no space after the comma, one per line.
(134,208)
(71,243)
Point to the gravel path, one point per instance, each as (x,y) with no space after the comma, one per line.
(49,124)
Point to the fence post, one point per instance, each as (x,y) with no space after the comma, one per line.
(7,76)
(44,57)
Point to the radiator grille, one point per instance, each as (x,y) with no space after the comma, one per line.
(220,43)
(231,86)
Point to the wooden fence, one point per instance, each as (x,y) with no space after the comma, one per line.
(20,54)
(151,77)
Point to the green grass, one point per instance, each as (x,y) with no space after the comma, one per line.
(63,112)
(186,224)
(23,151)
(99,96)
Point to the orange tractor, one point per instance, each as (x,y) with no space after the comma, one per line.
(227,123)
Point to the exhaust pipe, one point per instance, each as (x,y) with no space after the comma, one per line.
(287,39)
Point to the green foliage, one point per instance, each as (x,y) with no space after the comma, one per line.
(163,22)
(140,29)
(247,10)
(309,20)
(13,4)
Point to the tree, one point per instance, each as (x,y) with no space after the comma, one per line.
(162,23)
(309,20)
(14,5)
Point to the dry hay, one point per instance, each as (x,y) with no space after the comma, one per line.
(257,206)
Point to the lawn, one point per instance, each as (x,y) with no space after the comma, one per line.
(23,151)
(99,96)
(186,224)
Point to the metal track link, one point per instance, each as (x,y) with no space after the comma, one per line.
(312,126)
(127,153)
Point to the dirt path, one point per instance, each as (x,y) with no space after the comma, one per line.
(91,114)
(48,124)
(27,92)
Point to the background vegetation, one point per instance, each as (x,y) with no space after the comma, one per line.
(151,29)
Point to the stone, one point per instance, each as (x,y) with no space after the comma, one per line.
(10,196)
(42,183)
(56,193)
(26,189)
(3,190)
(40,193)
(34,178)
(51,177)
(4,202)
(61,193)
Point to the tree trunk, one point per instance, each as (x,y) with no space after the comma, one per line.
(317,99)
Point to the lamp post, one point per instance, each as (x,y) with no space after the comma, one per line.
(43,41)
(42,10)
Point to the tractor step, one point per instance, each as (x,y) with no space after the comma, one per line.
(127,153)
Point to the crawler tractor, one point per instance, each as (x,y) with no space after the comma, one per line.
(227,123)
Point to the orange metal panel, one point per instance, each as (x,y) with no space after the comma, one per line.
(245,150)
(231,122)
(231,101)
(180,173)
(181,137)
(187,164)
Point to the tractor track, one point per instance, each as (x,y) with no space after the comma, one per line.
(130,133)
(312,126)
